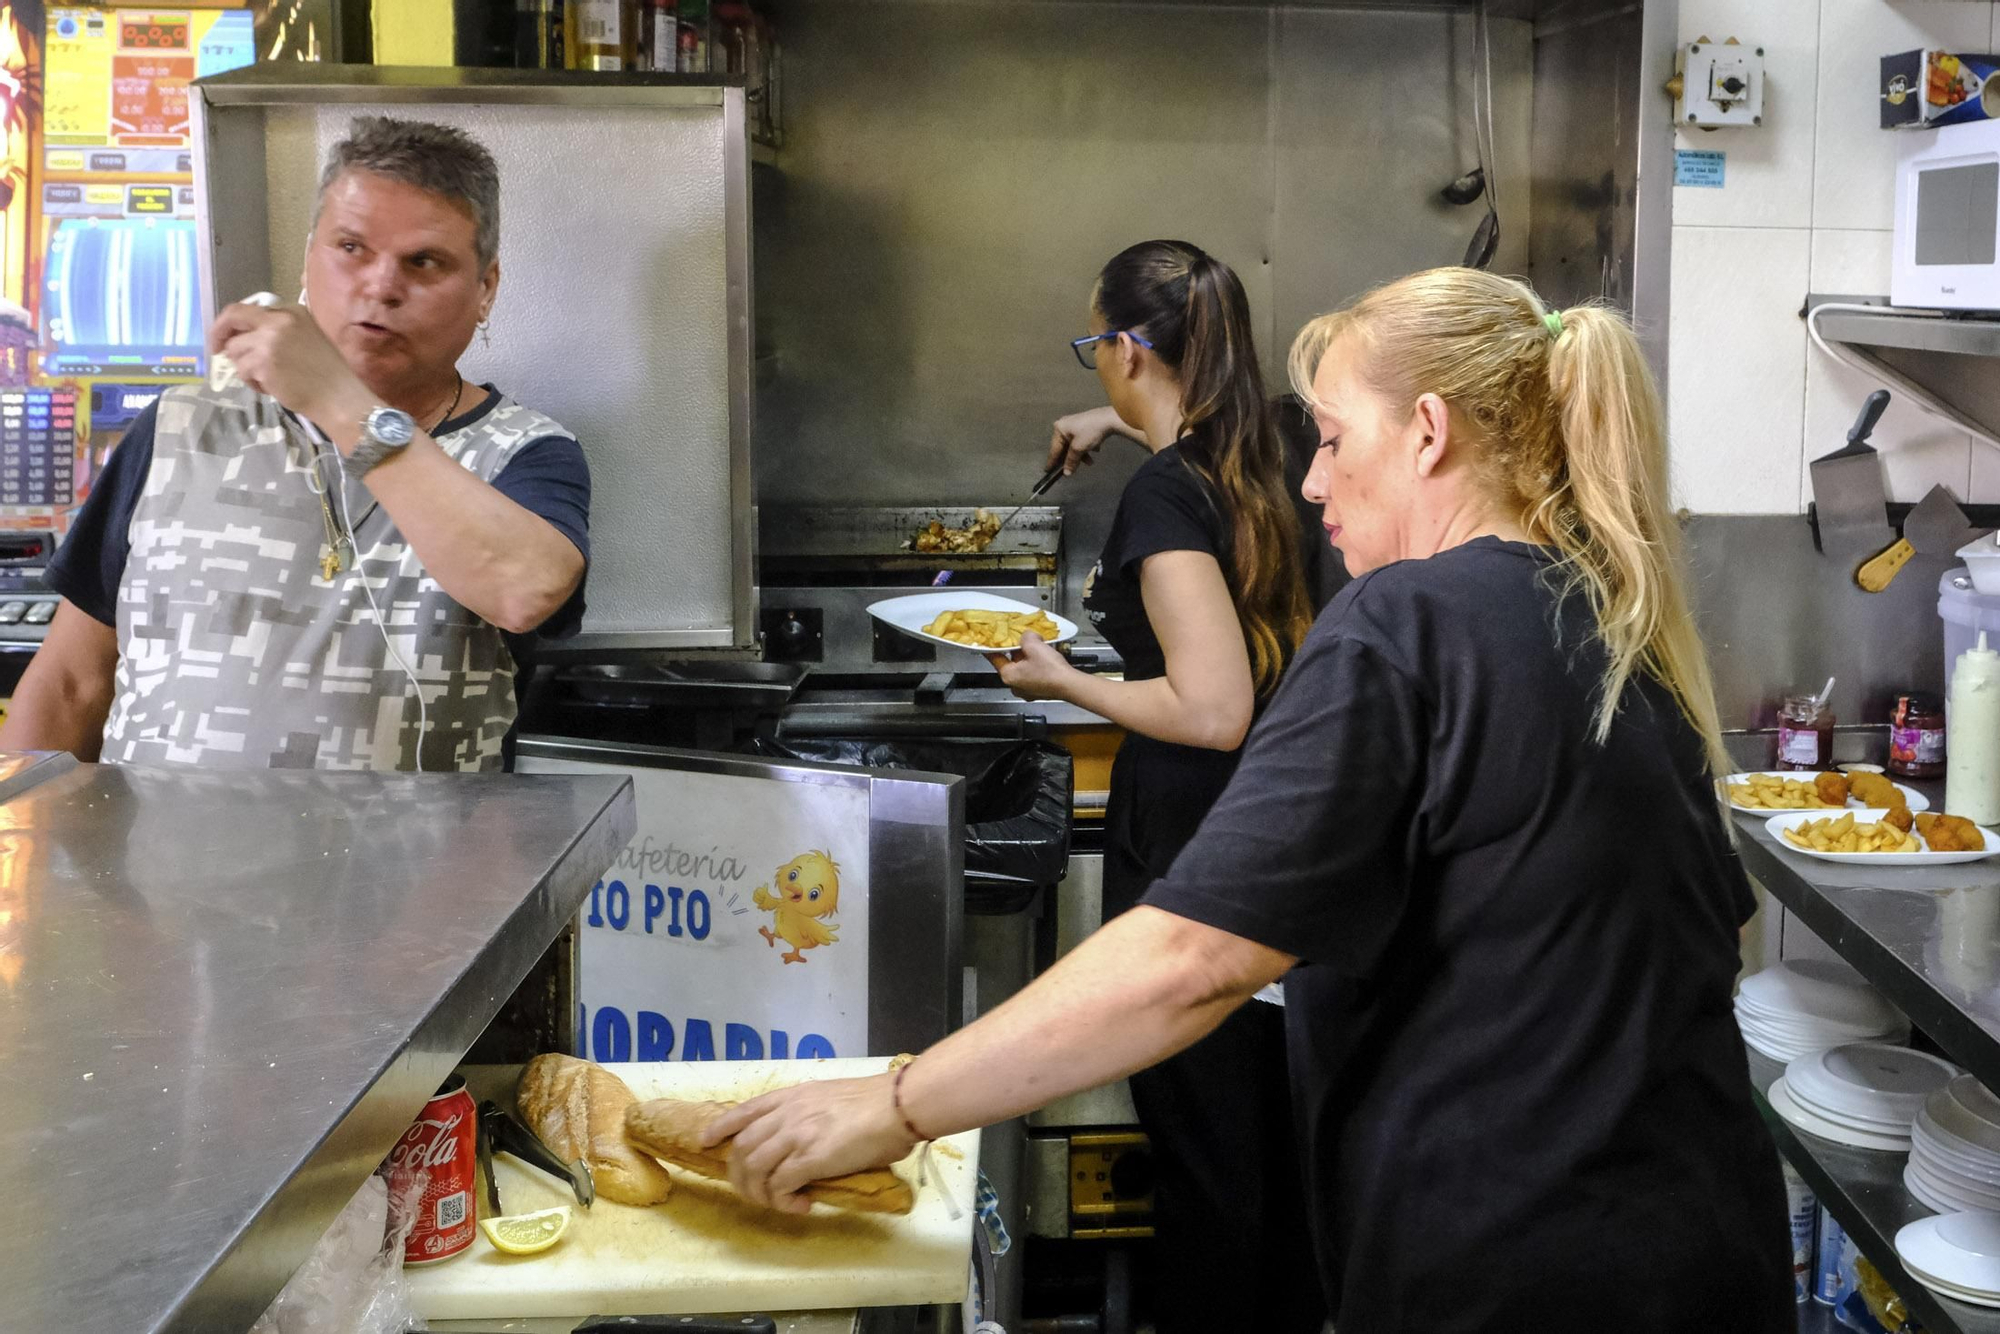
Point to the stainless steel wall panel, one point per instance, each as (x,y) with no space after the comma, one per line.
(624,306)
(1776,613)
(962,170)
(1372,115)
(1586,122)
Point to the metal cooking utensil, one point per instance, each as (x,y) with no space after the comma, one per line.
(483,1153)
(1049,479)
(1937,526)
(511,1137)
(1942,537)
(1847,490)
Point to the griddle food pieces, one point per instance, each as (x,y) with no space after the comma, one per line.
(671,1129)
(578,1108)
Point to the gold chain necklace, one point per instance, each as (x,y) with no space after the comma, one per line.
(337,550)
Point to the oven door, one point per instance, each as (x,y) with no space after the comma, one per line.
(1947,242)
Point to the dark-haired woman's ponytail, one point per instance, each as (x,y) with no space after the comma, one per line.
(1195,310)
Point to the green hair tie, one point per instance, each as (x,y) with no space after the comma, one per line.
(1554,322)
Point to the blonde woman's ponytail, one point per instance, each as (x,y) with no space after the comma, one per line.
(1619,536)
(1569,434)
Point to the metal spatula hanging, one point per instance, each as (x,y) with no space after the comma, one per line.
(1847,491)
(1936,527)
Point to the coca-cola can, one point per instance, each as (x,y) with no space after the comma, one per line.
(439,1144)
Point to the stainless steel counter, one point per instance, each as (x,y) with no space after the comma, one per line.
(223,996)
(1927,937)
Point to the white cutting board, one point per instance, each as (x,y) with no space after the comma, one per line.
(707,1249)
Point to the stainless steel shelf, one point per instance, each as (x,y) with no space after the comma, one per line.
(1927,938)
(1863,1189)
(1890,327)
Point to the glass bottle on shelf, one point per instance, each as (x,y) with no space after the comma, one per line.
(538,34)
(601,34)
(660,37)
(697,35)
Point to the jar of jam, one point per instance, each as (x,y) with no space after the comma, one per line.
(1916,736)
(1805,733)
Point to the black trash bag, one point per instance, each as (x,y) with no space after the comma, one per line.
(1017,803)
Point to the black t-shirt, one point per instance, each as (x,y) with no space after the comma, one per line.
(1159,790)
(1524,1100)
(1165,507)
(548,477)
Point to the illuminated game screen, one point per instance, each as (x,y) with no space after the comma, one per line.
(119,290)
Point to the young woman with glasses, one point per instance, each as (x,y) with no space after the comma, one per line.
(1200,588)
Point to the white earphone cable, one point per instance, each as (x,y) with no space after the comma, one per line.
(222,373)
(316,479)
(1877,369)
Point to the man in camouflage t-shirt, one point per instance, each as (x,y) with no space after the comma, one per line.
(271,568)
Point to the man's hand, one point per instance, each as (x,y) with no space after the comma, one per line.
(280,351)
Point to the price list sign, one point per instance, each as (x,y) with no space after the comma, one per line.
(37,446)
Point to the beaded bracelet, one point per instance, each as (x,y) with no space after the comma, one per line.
(896,1101)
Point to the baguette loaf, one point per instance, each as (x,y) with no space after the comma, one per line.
(578,1108)
(671,1129)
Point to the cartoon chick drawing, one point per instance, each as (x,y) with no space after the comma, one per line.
(808,889)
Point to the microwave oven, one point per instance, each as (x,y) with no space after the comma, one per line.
(1947,235)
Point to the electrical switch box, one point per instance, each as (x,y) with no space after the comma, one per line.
(1721,83)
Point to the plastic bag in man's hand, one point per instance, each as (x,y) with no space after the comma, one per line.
(352,1283)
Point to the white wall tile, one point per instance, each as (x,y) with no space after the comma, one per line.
(1854,159)
(1736,378)
(1852,262)
(1767,180)
(1985,488)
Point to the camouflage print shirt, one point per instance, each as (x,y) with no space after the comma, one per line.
(234,651)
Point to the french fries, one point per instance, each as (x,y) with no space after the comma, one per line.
(979,629)
(1845,834)
(1774,792)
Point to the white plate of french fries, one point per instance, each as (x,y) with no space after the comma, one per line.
(980,622)
(1770,793)
(1861,837)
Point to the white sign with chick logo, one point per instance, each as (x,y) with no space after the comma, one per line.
(734,926)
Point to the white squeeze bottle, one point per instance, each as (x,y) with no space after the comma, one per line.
(1972,740)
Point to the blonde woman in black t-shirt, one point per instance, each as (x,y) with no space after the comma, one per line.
(1200,588)
(1477,833)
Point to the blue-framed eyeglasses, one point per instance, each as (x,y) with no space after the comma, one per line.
(1084,349)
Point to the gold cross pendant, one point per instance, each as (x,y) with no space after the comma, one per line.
(329,565)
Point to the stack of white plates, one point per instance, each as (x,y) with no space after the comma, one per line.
(1955,1149)
(1957,1255)
(1808,1005)
(1865,1093)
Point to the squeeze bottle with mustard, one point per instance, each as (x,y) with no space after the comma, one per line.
(1972,742)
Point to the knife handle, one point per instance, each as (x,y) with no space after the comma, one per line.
(1874,576)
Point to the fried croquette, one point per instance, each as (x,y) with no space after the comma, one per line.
(1950,833)
(1832,788)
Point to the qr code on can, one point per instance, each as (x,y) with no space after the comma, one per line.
(451,1211)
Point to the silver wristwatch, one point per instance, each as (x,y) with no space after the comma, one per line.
(385,432)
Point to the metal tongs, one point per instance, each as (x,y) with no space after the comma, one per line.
(499,1132)
(1049,479)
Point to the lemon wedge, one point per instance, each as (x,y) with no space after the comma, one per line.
(525,1234)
